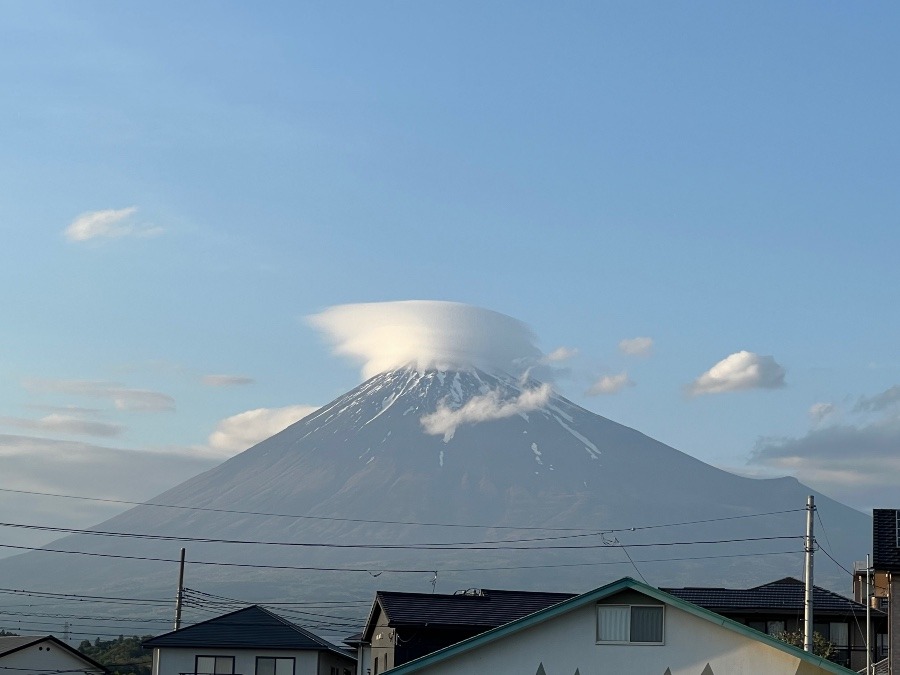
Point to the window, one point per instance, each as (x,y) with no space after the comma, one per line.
(774,627)
(270,665)
(214,665)
(376,665)
(630,623)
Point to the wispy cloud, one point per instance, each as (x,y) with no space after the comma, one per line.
(639,346)
(819,412)
(610,384)
(226,380)
(237,433)
(108,224)
(64,424)
(741,370)
(886,399)
(484,408)
(122,398)
(560,354)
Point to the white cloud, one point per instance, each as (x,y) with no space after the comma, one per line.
(427,333)
(237,433)
(64,424)
(819,412)
(108,224)
(225,380)
(741,370)
(639,346)
(483,408)
(560,354)
(610,384)
(122,398)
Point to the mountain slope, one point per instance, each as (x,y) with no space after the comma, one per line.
(537,461)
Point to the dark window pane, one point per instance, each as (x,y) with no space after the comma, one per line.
(646,624)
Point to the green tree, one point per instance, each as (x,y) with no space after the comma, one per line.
(123,656)
(821,646)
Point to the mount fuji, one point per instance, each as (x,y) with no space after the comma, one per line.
(422,479)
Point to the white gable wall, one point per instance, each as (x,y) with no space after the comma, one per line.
(568,642)
(176,660)
(41,658)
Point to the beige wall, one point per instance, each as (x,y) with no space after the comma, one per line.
(41,658)
(569,642)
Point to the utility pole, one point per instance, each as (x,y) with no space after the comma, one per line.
(180,595)
(808,577)
(868,618)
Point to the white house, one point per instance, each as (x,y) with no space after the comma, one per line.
(38,655)
(625,627)
(250,641)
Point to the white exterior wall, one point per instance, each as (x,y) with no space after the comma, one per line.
(41,658)
(569,642)
(172,660)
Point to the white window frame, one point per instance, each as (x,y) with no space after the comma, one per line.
(628,641)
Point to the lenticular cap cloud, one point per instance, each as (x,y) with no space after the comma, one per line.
(427,333)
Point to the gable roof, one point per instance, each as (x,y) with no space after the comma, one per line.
(886,540)
(486,609)
(10,644)
(592,597)
(784,596)
(253,627)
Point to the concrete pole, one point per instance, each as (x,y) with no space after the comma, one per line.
(808,577)
(868,618)
(180,596)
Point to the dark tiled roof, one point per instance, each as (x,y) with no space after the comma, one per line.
(489,608)
(13,643)
(253,627)
(784,595)
(885,533)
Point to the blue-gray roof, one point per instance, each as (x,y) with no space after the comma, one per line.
(486,609)
(253,627)
(782,596)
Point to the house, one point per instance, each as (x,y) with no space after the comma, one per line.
(779,606)
(885,581)
(623,627)
(250,641)
(37,655)
(404,626)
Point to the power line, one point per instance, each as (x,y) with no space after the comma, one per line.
(456,546)
(389,522)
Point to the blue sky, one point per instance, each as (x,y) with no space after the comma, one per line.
(716,177)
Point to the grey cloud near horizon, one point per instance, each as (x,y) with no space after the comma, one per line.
(64,424)
(122,398)
(886,399)
(739,371)
(842,458)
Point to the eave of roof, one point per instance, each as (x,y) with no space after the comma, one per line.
(626,583)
